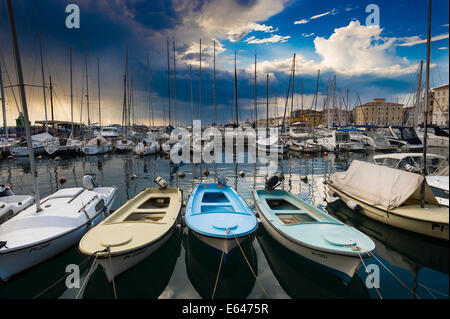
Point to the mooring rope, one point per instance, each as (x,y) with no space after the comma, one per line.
(433,290)
(58,281)
(251,269)
(393,275)
(87,276)
(110,264)
(220,264)
(367,271)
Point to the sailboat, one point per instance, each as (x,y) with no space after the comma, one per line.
(55,223)
(11,204)
(96,146)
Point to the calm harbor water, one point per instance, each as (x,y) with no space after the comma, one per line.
(185,268)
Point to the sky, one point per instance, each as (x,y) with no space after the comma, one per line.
(368,61)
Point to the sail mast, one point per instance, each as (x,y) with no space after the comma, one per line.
(292,93)
(200,94)
(71,91)
(150,105)
(168,79)
(98,85)
(23,97)
(43,83)
(87,83)
(2,92)
(419,90)
(427,96)
(256,100)
(267,106)
(215,105)
(175,87)
(235,91)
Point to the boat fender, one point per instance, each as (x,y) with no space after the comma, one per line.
(183,221)
(178,226)
(222,180)
(3,244)
(353,206)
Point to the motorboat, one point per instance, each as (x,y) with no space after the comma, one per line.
(338,141)
(218,216)
(392,197)
(109,132)
(312,233)
(97,145)
(11,204)
(135,230)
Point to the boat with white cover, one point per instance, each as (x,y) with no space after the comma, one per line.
(98,145)
(146,147)
(135,230)
(32,237)
(392,197)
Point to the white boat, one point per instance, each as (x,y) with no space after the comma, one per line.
(39,141)
(98,145)
(135,230)
(109,131)
(32,237)
(11,204)
(436,137)
(124,145)
(146,147)
(404,137)
(303,147)
(411,162)
(439,186)
(338,141)
(377,143)
(64,146)
(391,196)
(299,131)
(272,143)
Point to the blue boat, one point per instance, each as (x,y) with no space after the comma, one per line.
(218,216)
(312,233)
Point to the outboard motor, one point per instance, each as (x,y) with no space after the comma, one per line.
(272,182)
(161,182)
(222,180)
(5,190)
(88,182)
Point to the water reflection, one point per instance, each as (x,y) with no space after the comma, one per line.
(301,278)
(147,279)
(202,263)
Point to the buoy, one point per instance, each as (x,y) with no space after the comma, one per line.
(133,176)
(181,174)
(10,157)
(206,172)
(325,153)
(308,155)
(241,173)
(62,180)
(304,178)
(39,157)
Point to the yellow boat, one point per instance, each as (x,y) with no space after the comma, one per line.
(135,230)
(392,197)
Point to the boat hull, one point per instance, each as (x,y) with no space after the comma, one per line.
(343,266)
(432,229)
(18,261)
(221,244)
(118,264)
(95,150)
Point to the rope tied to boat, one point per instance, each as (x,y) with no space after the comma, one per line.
(357,249)
(249,266)
(220,264)
(87,276)
(110,264)
(390,272)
